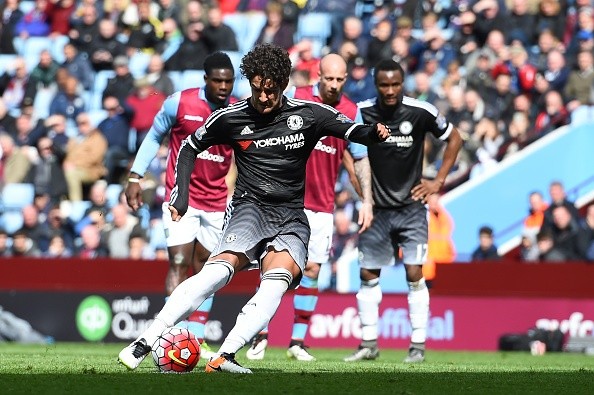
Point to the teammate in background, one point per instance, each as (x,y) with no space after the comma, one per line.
(272,138)
(320,178)
(399,194)
(190,240)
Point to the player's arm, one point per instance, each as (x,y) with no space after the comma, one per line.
(330,122)
(209,134)
(450,134)
(161,126)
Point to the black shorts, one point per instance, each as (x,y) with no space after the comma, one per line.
(251,228)
(404,228)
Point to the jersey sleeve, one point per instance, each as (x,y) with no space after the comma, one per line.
(357,151)
(438,125)
(331,122)
(162,124)
(211,133)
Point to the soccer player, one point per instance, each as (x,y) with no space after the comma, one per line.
(272,137)
(190,240)
(399,194)
(320,178)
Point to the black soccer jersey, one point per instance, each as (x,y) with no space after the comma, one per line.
(397,163)
(271,150)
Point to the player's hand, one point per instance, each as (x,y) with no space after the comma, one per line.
(365,217)
(383,131)
(174,214)
(425,188)
(133,195)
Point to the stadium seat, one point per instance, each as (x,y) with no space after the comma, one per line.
(192,79)
(235,57)
(57,48)
(6,62)
(15,196)
(99,86)
(11,221)
(96,116)
(241,89)
(42,101)
(238,22)
(256,22)
(113,194)
(176,77)
(32,47)
(138,64)
(315,26)
(74,210)
(26,6)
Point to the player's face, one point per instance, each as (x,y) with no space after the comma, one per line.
(266,97)
(389,87)
(219,84)
(331,84)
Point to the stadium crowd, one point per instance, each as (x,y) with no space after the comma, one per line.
(81,81)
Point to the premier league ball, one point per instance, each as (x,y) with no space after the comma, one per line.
(176,351)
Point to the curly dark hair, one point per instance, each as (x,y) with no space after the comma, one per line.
(269,62)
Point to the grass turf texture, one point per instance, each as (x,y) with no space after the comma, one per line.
(92,368)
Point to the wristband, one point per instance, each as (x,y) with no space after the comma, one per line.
(134,180)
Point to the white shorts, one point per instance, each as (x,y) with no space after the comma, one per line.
(206,227)
(320,241)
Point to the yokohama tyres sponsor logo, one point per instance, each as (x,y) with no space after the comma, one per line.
(393,324)
(212,157)
(292,141)
(401,141)
(575,325)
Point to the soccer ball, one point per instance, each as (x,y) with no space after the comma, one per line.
(176,350)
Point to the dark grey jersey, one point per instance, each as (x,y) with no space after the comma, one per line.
(271,150)
(397,163)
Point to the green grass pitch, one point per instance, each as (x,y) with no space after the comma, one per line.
(92,368)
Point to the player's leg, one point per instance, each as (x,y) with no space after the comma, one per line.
(186,297)
(306,295)
(376,250)
(413,240)
(208,234)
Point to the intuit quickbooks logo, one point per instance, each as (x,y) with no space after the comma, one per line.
(93,318)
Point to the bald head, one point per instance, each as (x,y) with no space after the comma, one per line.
(333,74)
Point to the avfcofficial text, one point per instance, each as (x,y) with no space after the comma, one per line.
(401,141)
(292,141)
(325,148)
(208,156)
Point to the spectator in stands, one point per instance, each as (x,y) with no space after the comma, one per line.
(352,31)
(489,17)
(422,88)
(529,247)
(157,77)
(145,102)
(57,248)
(550,16)
(23,246)
(502,99)
(4,248)
(545,44)
(302,58)
(98,199)
(31,223)
(14,85)
(192,51)
(116,234)
(59,13)
(380,44)
(553,116)
(486,249)
(194,14)
(14,163)
(518,136)
(139,248)
(457,113)
(105,47)
(359,85)
(578,90)
(569,237)
(218,36)
(84,158)
(34,23)
(486,138)
(523,74)
(171,41)
(276,31)
(44,74)
(122,84)
(495,48)
(547,252)
(169,9)
(25,135)
(68,101)
(78,65)
(479,77)
(54,127)
(440,245)
(557,72)
(537,207)
(56,225)
(91,247)
(475,105)
(85,29)
(146,31)
(400,52)
(558,198)
(521,23)
(464,40)
(587,223)
(7,121)
(11,15)
(46,173)
(116,129)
